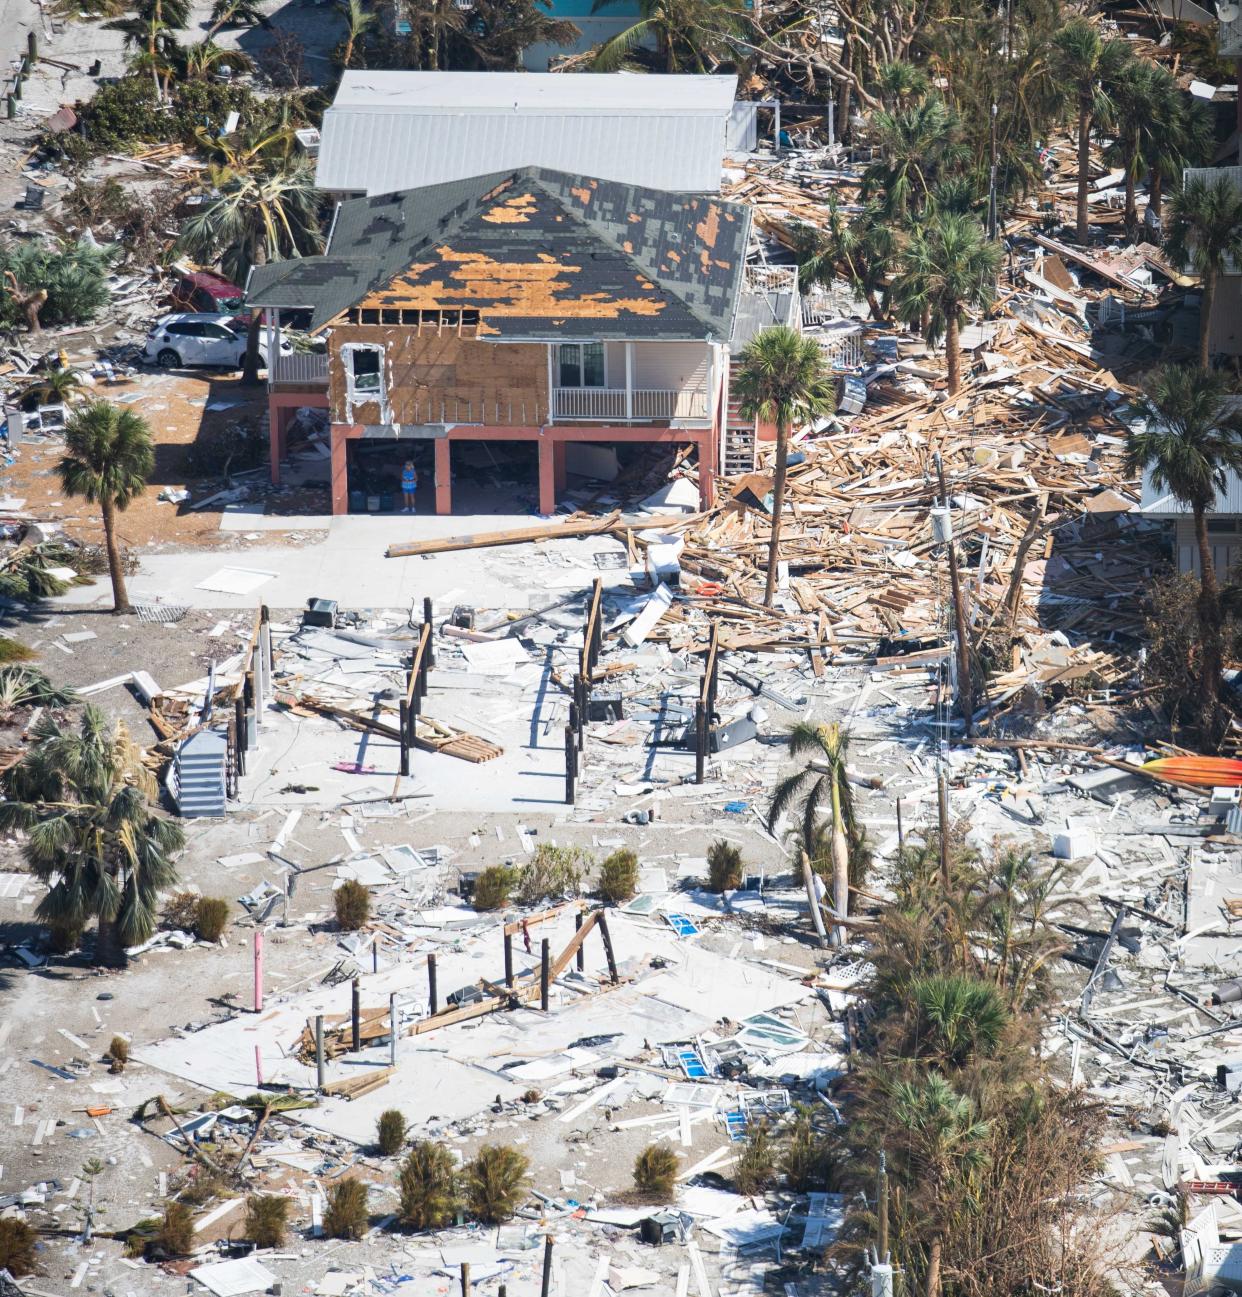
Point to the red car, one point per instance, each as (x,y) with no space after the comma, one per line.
(206,292)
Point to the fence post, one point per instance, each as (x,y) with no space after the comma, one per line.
(405,737)
(700,741)
(355,1013)
(430,654)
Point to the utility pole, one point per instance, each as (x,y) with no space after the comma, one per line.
(965,697)
(881,1208)
(993,223)
(942,811)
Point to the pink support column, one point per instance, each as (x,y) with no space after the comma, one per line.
(340,469)
(560,474)
(444,475)
(258,1067)
(547,474)
(258,970)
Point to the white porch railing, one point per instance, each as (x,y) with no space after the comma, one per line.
(770,279)
(299,367)
(643,404)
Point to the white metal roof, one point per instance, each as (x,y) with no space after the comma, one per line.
(388,131)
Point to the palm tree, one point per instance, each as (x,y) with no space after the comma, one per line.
(948,268)
(260,211)
(199,61)
(83,799)
(1137,94)
(919,141)
(1190,441)
(432,22)
(1205,232)
(823,779)
(956,1019)
(358,21)
(1180,137)
(689,35)
(941,1146)
(1088,66)
(900,82)
(108,458)
(860,249)
(236,13)
(782,378)
(61,386)
(150,28)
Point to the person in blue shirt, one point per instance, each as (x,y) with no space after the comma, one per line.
(409,485)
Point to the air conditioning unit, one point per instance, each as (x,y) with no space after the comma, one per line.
(308,141)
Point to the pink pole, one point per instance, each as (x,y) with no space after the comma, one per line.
(258,1066)
(258,971)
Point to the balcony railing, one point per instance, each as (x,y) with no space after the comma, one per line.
(639,404)
(309,367)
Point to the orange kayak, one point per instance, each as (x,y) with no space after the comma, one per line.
(1203,772)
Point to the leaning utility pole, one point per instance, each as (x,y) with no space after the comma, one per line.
(965,698)
(992,213)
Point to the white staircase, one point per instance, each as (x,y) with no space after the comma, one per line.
(197,778)
(739,442)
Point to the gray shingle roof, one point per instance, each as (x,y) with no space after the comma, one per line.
(538,253)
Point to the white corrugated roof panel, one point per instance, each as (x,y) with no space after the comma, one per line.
(388,131)
(552,92)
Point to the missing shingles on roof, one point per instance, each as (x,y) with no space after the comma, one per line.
(709,227)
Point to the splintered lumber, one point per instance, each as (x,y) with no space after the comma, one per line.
(354,1087)
(545,531)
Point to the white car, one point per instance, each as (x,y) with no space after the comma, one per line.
(186,340)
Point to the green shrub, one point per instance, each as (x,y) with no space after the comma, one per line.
(129,112)
(496,1183)
(64,936)
(211,917)
(428,1186)
(352,902)
(806,1161)
(347,1215)
(175,1236)
(618,877)
(390,1132)
(552,874)
(493,887)
(73,274)
(724,866)
(17,1246)
(755,1166)
(655,1172)
(118,1050)
(267,1219)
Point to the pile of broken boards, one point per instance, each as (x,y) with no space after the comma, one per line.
(358,678)
(1041,511)
(1147,907)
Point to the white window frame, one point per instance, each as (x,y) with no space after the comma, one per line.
(353,392)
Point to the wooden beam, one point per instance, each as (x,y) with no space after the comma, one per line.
(545,531)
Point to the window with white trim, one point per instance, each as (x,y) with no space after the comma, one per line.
(365,366)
